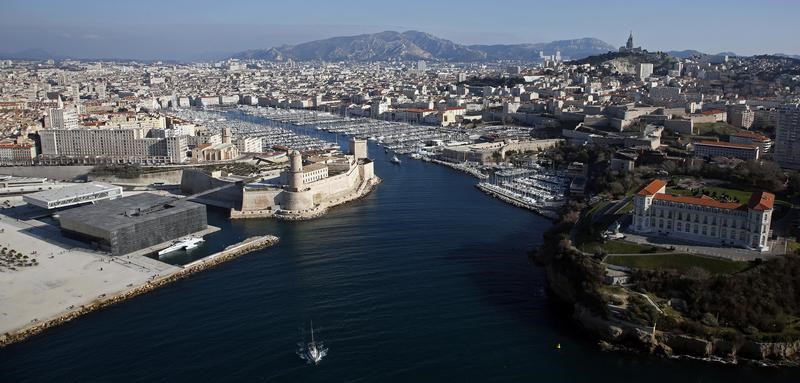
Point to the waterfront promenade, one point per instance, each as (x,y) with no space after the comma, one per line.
(68,280)
(67,275)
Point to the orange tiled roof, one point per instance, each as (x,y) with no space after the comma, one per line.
(653,187)
(761,201)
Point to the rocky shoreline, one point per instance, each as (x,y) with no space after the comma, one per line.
(618,335)
(230,252)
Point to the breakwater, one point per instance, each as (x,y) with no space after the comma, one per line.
(230,252)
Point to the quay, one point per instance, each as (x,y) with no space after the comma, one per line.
(460,167)
(498,193)
(169,274)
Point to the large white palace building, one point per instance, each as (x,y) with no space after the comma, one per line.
(704,219)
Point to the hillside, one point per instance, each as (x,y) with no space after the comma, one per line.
(415,45)
(625,62)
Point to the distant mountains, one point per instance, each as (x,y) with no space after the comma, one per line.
(29,54)
(415,45)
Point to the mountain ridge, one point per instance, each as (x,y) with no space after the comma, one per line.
(416,45)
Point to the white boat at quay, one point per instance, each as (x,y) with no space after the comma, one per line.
(185,243)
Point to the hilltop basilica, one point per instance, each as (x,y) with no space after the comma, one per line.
(629,46)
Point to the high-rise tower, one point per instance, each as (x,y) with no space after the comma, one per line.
(787,137)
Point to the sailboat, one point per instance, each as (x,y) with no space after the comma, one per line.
(314,351)
(395,160)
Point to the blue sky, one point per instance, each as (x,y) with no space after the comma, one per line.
(178,29)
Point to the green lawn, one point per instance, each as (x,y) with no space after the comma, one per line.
(679,261)
(792,245)
(676,191)
(741,195)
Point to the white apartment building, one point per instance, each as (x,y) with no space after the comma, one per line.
(60,118)
(249,145)
(114,145)
(703,219)
(763,142)
(644,70)
(710,149)
(787,137)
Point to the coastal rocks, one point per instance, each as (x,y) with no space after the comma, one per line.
(774,351)
(595,324)
(725,349)
(688,345)
(559,285)
(230,252)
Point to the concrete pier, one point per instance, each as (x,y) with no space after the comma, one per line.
(167,275)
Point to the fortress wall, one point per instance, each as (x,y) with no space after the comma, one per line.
(259,199)
(195,181)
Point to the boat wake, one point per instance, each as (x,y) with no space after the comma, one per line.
(313,351)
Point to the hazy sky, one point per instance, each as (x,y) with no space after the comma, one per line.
(178,29)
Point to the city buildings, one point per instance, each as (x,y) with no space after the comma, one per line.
(17,154)
(644,70)
(111,145)
(763,142)
(711,149)
(60,118)
(703,219)
(787,137)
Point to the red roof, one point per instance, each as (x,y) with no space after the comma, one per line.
(761,201)
(726,145)
(701,201)
(653,187)
(711,111)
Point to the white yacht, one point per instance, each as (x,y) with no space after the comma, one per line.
(395,160)
(314,351)
(186,243)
